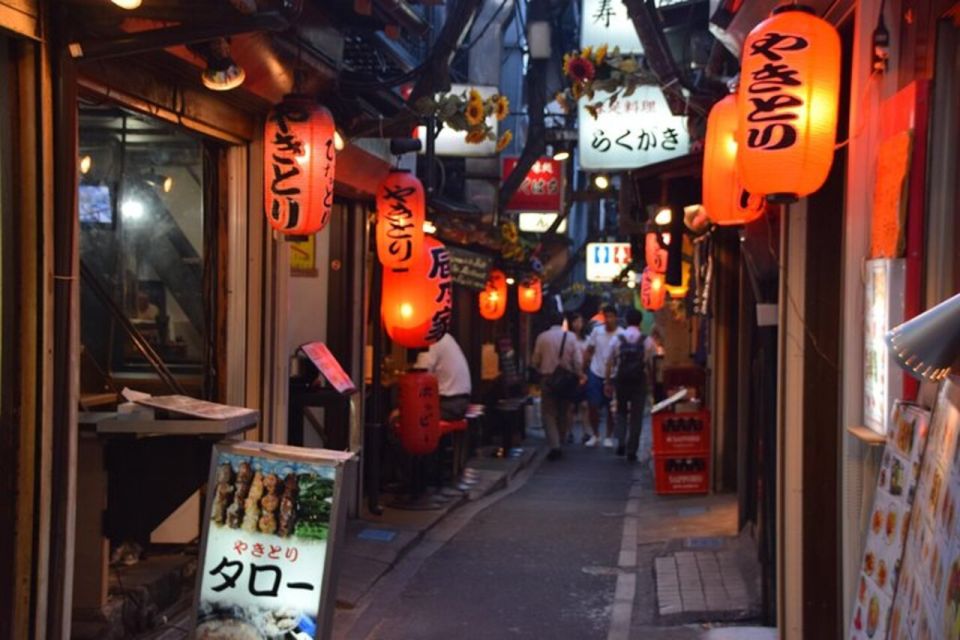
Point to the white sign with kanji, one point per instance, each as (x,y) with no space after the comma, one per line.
(607,260)
(607,22)
(632,132)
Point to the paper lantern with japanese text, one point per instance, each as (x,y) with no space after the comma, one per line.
(724,198)
(416,303)
(656,255)
(787,103)
(530,295)
(653,291)
(419,400)
(493,299)
(401,209)
(298,164)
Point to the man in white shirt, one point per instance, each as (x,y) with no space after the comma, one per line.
(599,343)
(446,361)
(555,347)
(629,372)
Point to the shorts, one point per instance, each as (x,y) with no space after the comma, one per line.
(595,395)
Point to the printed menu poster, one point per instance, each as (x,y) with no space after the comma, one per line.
(927,604)
(266,554)
(889,521)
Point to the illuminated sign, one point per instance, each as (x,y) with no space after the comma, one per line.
(539,222)
(882,310)
(607,22)
(454,143)
(542,187)
(607,260)
(632,132)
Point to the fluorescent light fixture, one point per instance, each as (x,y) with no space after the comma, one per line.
(928,346)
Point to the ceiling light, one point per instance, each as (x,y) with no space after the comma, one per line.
(601,181)
(225,78)
(86,163)
(132,210)
(338,142)
(928,346)
(127,4)
(167,184)
(511,281)
(561,155)
(664,216)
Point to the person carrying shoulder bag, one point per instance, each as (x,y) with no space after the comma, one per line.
(557,359)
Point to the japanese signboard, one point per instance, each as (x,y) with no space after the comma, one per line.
(269,540)
(607,22)
(606,260)
(534,222)
(324,360)
(882,310)
(541,189)
(632,132)
(469,269)
(454,143)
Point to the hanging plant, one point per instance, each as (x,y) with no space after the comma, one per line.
(468,112)
(591,70)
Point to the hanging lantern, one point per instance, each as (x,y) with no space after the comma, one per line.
(653,291)
(493,299)
(419,427)
(787,103)
(416,303)
(724,198)
(298,166)
(401,209)
(655,254)
(530,295)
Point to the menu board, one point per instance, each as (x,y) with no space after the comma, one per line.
(268,542)
(324,360)
(927,604)
(889,521)
(469,269)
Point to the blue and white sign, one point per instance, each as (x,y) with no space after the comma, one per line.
(607,260)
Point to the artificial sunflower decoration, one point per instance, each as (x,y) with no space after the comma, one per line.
(502,108)
(476,137)
(474,113)
(504,140)
(470,113)
(593,70)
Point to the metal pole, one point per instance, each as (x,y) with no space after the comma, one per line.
(374,430)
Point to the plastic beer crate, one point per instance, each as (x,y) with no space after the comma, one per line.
(681,432)
(677,473)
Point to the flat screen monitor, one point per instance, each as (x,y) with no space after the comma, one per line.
(95,204)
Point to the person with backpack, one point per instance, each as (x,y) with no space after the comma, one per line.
(557,360)
(627,374)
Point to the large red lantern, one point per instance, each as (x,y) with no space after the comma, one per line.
(416,303)
(493,299)
(653,291)
(724,198)
(419,413)
(787,103)
(530,295)
(401,209)
(656,255)
(298,166)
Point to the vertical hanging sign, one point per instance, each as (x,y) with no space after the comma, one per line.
(607,22)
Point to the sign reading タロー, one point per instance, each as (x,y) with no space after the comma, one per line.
(469,269)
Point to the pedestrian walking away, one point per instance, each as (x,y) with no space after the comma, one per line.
(557,359)
(627,375)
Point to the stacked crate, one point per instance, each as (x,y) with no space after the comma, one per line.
(681,452)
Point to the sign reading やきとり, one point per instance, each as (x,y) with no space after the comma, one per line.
(269,541)
(632,132)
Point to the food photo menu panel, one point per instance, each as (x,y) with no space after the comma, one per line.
(889,521)
(927,603)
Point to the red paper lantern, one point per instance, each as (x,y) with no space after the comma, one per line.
(493,299)
(530,295)
(401,209)
(724,198)
(416,303)
(655,254)
(787,103)
(653,292)
(298,166)
(419,426)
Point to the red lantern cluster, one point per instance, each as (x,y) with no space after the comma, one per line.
(401,209)
(419,427)
(530,295)
(493,299)
(724,198)
(416,304)
(299,163)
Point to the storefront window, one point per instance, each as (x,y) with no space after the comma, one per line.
(143,252)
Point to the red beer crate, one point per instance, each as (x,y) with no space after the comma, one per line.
(681,432)
(681,473)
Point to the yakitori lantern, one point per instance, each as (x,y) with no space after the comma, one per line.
(416,303)
(653,292)
(401,208)
(530,295)
(493,299)
(419,413)
(787,104)
(655,254)
(724,198)
(298,165)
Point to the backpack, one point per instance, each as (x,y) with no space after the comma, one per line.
(630,361)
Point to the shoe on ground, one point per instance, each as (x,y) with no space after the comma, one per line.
(591,442)
(554,454)
(608,443)
(621,450)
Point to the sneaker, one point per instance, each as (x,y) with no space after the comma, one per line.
(591,442)
(608,443)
